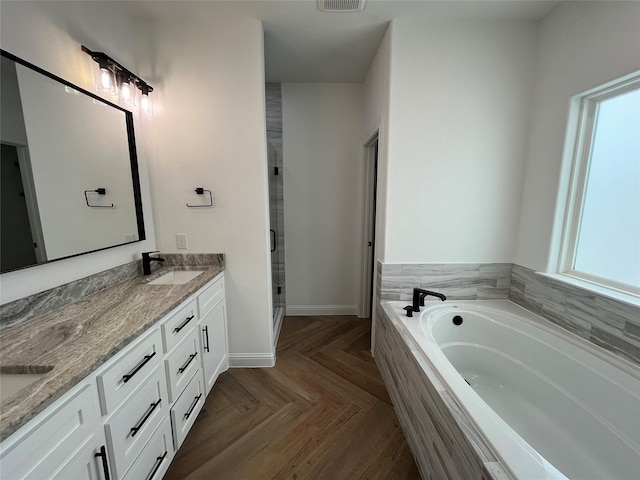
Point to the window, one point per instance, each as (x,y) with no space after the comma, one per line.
(601,241)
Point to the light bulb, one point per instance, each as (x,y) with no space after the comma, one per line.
(145,103)
(105,78)
(106,81)
(127,92)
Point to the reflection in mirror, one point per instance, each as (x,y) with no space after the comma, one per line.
(66,156)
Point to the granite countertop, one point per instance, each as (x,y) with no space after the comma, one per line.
(69,343)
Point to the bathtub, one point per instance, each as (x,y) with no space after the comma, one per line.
(548,404)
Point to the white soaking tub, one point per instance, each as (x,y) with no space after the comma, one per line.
(548,403)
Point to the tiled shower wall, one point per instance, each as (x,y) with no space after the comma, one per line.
(273,97)
(611,324)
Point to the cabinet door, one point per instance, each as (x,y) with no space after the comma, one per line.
(90,463)
(213,341)
(49,446)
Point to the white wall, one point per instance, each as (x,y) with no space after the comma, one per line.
(581,46)
(209,131)
(376,117)
(323,187)
(459,110)
(49,35)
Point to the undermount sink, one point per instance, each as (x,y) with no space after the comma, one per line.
(176,277)
(12,383)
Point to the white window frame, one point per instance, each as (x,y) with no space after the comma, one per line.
(581,158)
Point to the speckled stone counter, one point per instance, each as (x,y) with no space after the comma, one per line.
(74,340)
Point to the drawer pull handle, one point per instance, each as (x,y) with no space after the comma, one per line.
(159,461)
(183,324)
(184,367)
(205,330)
(105,465)
(193,406)
(129,376)
(152,407)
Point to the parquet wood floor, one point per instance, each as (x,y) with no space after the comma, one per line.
(321,413)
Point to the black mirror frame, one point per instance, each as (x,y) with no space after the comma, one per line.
(135,174)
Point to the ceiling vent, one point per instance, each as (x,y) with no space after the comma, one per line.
(338,6)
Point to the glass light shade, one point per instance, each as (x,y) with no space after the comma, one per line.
(128,93)
(145,103)
(106,81)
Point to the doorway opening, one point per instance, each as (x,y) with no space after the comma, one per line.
(367,281)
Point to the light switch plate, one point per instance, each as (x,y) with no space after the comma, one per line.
(181,241)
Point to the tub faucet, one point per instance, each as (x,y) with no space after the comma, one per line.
(418,297)
(146,261)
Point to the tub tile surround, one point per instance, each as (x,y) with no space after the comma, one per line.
(443,440)
(605,322)
(77,338)
(608,323)
(458,281)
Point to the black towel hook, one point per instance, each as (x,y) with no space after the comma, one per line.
(99,191)
(200,191)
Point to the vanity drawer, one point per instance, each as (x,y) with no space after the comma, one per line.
(178,324)
(154,460)
(210,296)
(128,371)
(186,408)
(131,426)
(182,363)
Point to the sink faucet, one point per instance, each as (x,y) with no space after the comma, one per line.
(146,261)
(418,297)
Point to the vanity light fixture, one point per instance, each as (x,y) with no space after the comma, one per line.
(113,78)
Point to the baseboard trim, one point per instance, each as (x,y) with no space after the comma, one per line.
(251,360)
(301,310)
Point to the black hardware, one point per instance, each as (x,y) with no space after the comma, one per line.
(99,191)
(275,171)
(186,365)
(457,320)
(409,309)
(200,191)
(418,297)
(193,406)
(206,336)
(274,241)
(105,464)
(183,324)
(152,407)
(279,290)
(467,382)
(146,261)
(159,461)
(129,376)
(369,244)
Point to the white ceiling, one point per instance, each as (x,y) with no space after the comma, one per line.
(305,45)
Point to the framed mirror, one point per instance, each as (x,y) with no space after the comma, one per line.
(69,171)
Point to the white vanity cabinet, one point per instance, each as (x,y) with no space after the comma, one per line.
(212,325)
(127,418)
(65,441)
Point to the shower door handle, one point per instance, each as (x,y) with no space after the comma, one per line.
(274,242)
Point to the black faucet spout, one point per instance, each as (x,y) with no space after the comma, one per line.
(146,261)
(418,297)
